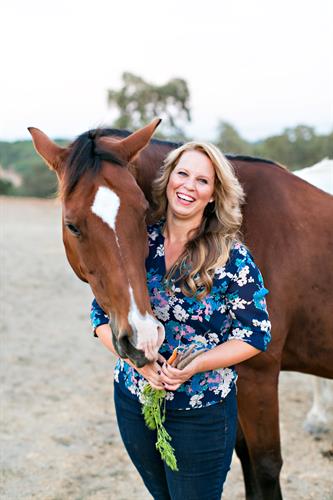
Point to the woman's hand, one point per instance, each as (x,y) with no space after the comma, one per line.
(152,373)
(227,354)
(172,378)
(167,377)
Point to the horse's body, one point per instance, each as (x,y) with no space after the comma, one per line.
(288,228)
(320,416)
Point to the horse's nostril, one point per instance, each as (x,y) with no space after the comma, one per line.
(123,342)
(123,335)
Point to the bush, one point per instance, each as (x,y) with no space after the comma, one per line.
(38,181)
(6,186)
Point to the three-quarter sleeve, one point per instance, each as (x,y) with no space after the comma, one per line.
(246,301)
(97,316)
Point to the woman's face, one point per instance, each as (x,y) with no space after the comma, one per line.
(191,186)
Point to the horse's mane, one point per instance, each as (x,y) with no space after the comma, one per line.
(85,157)
(229,156)
(258,159)
(125,133)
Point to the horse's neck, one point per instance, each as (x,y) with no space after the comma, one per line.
(148,165)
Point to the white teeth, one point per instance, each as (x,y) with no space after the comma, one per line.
(184,197)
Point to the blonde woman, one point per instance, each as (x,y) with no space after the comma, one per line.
(207,291)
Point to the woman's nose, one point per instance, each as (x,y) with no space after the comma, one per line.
(189,183)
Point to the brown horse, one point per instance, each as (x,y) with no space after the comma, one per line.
(288,227)
(104,232)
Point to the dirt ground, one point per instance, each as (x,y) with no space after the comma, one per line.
(59,434)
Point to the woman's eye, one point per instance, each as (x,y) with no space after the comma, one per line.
(73,229)
(203,181)
(181,172)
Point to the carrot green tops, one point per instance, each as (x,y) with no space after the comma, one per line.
(234,309)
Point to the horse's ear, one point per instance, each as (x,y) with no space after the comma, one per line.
(47,149)
(137,141)
(131,146)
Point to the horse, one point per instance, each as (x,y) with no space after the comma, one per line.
(103,223)
(319,418)
(105,180)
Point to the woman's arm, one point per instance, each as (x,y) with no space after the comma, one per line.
(249,332)
(150,372)
(104,334)
(98,317)
(230,353)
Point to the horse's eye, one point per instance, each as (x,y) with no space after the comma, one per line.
(73,229)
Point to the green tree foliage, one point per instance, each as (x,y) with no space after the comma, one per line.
(296,147)
(6,187)
(37,179)
(229,140)
(138,102)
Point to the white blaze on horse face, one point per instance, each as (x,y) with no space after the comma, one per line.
(106,205)
(148,333)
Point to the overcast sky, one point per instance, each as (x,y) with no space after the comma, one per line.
(262,65)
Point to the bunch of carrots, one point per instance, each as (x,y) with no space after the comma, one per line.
(154,399)
(154,416)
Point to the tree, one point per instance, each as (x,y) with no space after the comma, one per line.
(5,186)
(296,147)
(138,102)
(229,140)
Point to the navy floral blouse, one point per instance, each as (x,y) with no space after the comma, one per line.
(234,309)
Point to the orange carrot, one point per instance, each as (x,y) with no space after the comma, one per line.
(173,356)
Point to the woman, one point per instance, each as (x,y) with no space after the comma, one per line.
(206,290)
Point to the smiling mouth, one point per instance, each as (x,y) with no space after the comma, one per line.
(185,197)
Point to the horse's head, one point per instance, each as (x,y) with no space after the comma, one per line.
(104,231)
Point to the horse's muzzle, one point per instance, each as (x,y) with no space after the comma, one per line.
(127,351)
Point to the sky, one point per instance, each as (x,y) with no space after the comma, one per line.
(261,65)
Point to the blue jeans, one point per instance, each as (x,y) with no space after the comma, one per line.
(203,440)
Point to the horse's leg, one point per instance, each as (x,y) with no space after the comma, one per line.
(242,452)
(317,420)
(259,418)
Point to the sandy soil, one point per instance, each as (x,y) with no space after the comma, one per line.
(59,435)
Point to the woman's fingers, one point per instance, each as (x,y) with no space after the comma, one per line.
(170,371)
(174,377)
(168,380)
(156,383)
(155,380)
(166,368)
(160,387)
(152,372)
(150,369)
(171,387)
(161,358)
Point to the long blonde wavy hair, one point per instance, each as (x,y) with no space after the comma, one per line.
(209,245)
